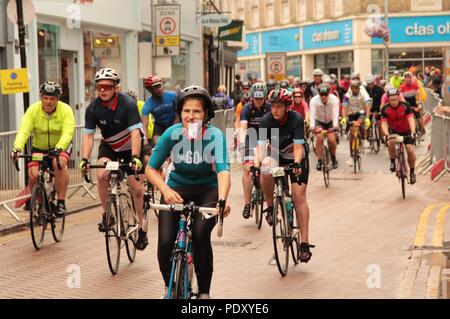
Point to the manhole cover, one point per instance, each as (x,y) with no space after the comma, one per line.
(231,243)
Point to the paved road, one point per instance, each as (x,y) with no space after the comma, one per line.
(363,231)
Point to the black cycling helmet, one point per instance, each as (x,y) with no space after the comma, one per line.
(196,91)
(284,84)
(50,88)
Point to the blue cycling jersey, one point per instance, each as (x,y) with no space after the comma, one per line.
(164,110)
(194,162)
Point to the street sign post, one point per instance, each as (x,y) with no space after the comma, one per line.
(167,18)
(276,66)
(14,81)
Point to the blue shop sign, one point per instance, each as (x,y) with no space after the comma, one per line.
(418,29)
(328,35)
(252,40)
(284,40)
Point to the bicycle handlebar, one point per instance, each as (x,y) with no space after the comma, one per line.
(207,212)
(96,166)
(50,154)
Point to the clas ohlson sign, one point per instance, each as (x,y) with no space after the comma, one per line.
(418,29)
(327,35)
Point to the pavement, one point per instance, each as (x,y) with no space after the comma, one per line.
(370,243)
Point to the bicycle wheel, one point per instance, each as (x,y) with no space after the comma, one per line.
(38,221)
(155,197)
(257,205)
(58,224)
(295,238)
(131,225)
(401,163)
(326,166)
(180,279)
(280,237)
(377,139)
(259,213)
(112,236)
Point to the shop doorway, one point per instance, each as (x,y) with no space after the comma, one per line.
(69,76)
(340,71)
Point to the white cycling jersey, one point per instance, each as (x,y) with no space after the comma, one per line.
(324,113)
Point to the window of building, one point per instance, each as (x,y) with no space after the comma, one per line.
(337,9)
(301,10)
(249,69)
(240,10)
(285,12)
(48,37)
(270,13)
(255,13)
(319,9)
(294,65)
(180,67)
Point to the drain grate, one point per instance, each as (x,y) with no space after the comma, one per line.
(231,243)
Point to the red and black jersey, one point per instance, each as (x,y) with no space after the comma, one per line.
(397,117)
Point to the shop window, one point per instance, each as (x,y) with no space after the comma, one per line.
(346,57)
(434,52)
(332,58)
(48,52)
(377,54)
(405,54)
(294,64)
(250,68)
(436,63)
(320,60)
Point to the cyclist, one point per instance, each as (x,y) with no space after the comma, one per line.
(284,84)
(196,175)
(271,85)
(313,87)
(118,118)
(324,110)
(287,129)
(237,114)
(161,105)
(356,106)
(398,118)
(250,117)
(52,124)
(376,93)
(140,105)
(412,95)
(300,105)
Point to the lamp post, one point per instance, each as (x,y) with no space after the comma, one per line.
(386,41)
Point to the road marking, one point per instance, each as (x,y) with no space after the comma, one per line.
(438,235)
(422,225)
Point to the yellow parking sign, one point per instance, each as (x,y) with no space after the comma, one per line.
(14,81)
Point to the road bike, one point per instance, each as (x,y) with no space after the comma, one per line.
(182,270)
(121,218)
(257,201)
(401,168)
(374,135)
(43,203)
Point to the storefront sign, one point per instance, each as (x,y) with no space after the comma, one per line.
(232,31)
(14,81)
(328,35)
(284,40)
(214,20)
(167,30)
(276,66)
(252,48)
(418,29)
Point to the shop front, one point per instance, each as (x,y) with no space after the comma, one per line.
(416,42)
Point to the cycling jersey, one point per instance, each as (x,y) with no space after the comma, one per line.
(49,131)
(194,162)
(115,125)
(164,110)
(150,126)
(253,115)
(376,93)
(290,132)
(324,113)
(409,92)
(397,117)
(301,108)
(356,103)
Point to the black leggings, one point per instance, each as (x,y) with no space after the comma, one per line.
(201,236)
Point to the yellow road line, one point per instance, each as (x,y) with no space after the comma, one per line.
(422,225)
(438,235)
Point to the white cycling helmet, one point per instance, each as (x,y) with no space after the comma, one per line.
(326,79)
(132,93)
(370,78)
(107,74)
(318,72)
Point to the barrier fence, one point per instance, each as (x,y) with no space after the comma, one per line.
(12,184)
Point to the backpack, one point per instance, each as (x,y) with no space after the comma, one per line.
(219,102)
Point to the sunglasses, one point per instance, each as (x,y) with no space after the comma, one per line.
(105,87)
(298,97)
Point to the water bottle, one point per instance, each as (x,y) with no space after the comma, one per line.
(190,262)
(289,208)
(181,235)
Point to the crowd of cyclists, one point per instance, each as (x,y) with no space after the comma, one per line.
(272,123)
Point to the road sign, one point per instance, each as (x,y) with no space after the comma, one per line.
(29,12)
(167,30)
(14,81)
(276,66)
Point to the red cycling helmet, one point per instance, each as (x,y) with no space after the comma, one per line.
(280,95)
(152,81)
